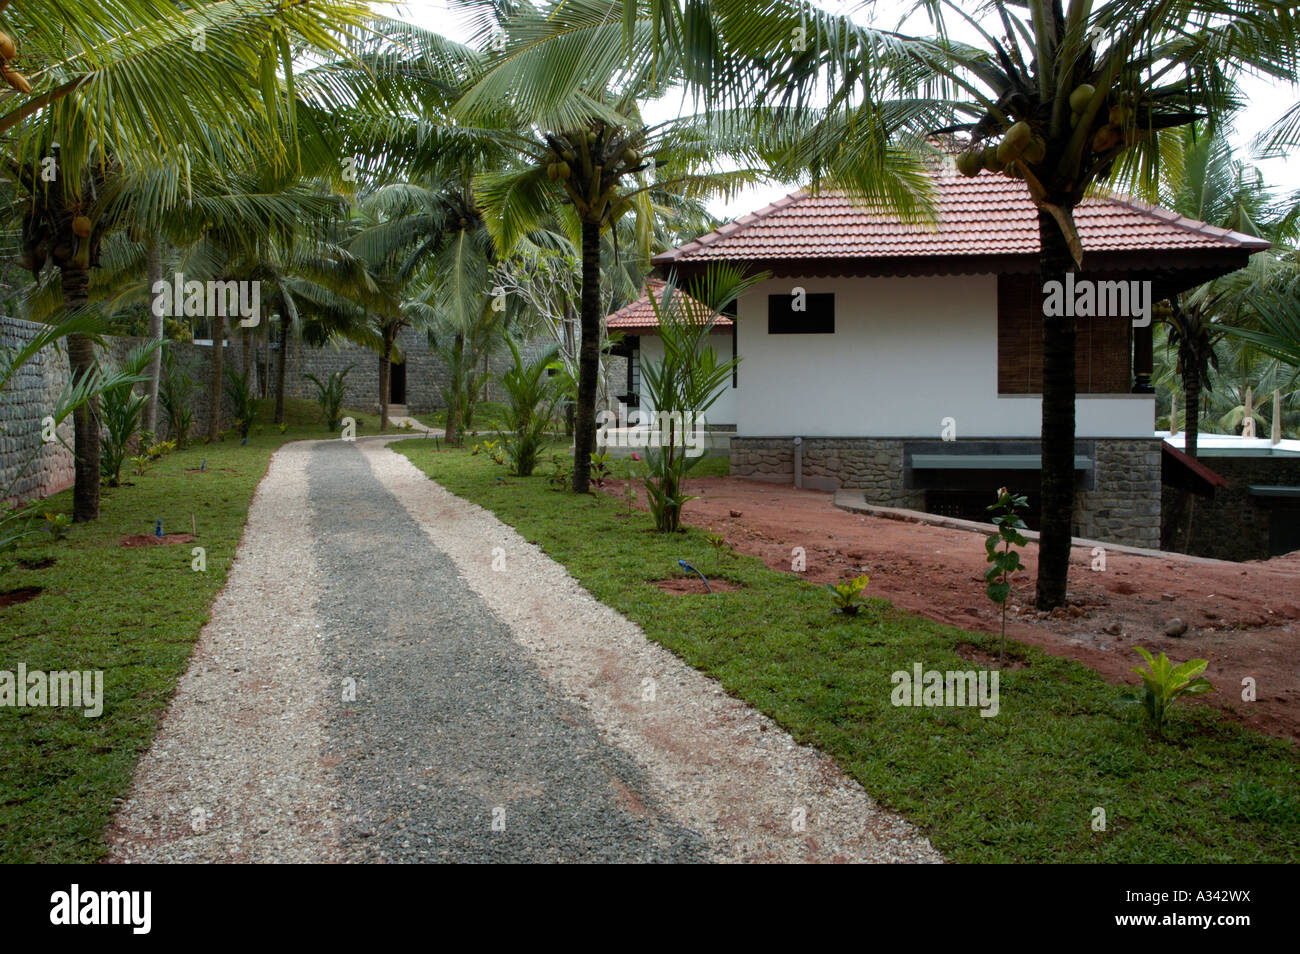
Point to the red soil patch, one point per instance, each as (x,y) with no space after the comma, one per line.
(1242,617)
(14,597)
(692,584)
(149,540)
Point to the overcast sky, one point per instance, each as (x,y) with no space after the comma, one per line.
(1266,101)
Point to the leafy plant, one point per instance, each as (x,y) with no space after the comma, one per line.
(119,413)
(330,394)
(142,462)
(1164,683)
(531,397)
(846,595)
(241,396)
(600,471)
(686,383)
(493,451)
(1005,562)
(176,388)
(160,449)
(717,541)
(58,524)
(558,478)
(283,427)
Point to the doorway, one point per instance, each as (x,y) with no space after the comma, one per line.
(397,383)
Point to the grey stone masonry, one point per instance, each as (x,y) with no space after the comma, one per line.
(1235,524)
(1120,501)
(1124,502)
(29,466)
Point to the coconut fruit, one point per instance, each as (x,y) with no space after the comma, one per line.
(1081,96)
(970,163)
(82,227)
(1120,116)
(563,171)
(7,49)
(991,161)
(552,171)
(1015,141)
(15,79)
(1035,151)
(1106,138)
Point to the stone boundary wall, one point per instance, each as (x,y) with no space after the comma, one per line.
(426,374)
(1235,525)
(1123,502)
(29,397)
(33,391)
(37,385)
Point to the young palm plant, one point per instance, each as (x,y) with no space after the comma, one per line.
(682,386)
(554,84)
(531,395)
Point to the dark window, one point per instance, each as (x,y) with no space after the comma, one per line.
(817,317)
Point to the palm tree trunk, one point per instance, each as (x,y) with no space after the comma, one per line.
(280,369)
(214,382)
(153,268)
(456,391)
(85,419)
(1192,403)
(385,379)
(245,361)
(584,429)
(1057,488)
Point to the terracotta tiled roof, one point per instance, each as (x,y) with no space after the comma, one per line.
(986,217)
(640,315)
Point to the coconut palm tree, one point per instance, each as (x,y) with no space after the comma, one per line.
(554,82)
(131,81)
(1207,183)
(1064,96)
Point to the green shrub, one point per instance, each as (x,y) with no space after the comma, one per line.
(176,388)
(531,398)
(1164,683)
(330,394)
(846,595)
(241,396)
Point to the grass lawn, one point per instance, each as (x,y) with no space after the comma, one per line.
(1019,787)
(133,612)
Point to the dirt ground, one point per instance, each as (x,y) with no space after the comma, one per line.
(1242,617)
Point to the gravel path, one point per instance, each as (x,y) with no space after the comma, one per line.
(238,771)
(452,729)
(391,674)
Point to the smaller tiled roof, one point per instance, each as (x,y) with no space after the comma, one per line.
(981,221)
(640,315)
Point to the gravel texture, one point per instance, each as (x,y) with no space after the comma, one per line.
(452,727)
(720,766)
(237,771)
(371,688)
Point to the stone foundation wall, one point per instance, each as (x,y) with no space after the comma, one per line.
(1122,502)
